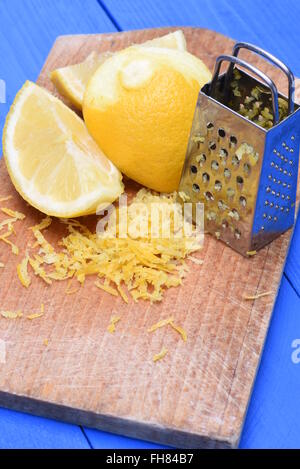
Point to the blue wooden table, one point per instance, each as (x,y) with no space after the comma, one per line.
(27,32)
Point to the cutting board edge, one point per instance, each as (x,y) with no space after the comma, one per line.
(117,425)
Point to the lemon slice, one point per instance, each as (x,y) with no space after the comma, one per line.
(72,81)
(52,160)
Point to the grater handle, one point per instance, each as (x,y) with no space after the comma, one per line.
(235,60)
(271,58)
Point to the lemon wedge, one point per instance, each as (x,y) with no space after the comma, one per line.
(71,81)
(52,160)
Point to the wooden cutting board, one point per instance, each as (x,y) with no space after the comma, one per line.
(197,395)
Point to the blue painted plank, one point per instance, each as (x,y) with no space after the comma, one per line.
(28,31)
(274,412)
(292,267)
(104,440)
(272,24)
(23,431)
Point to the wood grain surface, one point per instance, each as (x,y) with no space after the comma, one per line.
(197,396)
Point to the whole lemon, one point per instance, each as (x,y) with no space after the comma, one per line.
(139,107)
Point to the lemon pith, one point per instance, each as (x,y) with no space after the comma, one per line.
(139,107)
(53,162)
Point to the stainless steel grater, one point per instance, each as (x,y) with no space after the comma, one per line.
(243,152)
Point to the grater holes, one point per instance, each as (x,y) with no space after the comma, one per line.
(293,137)
(212,145)
(209,196)
(209,125)
(218,186)
(247,169)
(201,159)
(221,205)
(211,215)
(235,161)
(239,182)
(230,193)
(221,132)
(223,153)
(243,201)
(214,165)
(234,214)
(225,224)
(193,169)
(205,178)
(196,188)
(232,140)
(227,173)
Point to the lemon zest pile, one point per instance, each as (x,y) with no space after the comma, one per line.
(112,326)
(160,355)
(145,265)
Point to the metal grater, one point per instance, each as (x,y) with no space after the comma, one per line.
(245,174)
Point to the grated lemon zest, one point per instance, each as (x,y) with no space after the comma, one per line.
(195,260)
(160,355)
(258,295)
(251,253)
(11,314)
(107,288)
(14,248)
(4,199)
(162,323)
(38,270)
(123,295)
(180,330)
(112,326)
(13,213)
(140,266)
(46,342)
(34,316)
(42,225)
(23,272)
